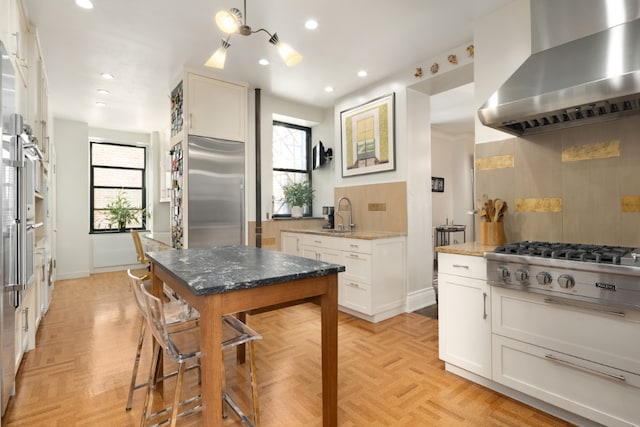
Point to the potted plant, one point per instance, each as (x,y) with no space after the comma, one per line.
(297,195)
(120,212)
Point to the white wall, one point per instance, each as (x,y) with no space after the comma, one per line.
(79,253)
(418,166)
(159,211)
(502,43)
(73,251)
(324,178)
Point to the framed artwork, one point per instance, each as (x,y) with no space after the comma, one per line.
(437,184)
(368,137)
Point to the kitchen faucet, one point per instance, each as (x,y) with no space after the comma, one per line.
(350,223)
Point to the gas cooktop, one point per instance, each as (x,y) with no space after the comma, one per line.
(600,254)
(590,273)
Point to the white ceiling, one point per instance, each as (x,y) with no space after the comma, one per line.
(146,43)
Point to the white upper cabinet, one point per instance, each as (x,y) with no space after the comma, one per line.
(216,108)
(17,37)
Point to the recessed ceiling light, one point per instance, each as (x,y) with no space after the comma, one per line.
(362,73)
(101,104)
(103,92)
(311,24)
(85,4)
(107,76)
(328,89)
(263,62)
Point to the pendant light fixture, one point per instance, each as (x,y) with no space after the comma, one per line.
(233,22)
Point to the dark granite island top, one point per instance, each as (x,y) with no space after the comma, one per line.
(230,268)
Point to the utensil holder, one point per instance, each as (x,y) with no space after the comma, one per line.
(492,233)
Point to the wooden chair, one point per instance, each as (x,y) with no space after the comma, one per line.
(142,259)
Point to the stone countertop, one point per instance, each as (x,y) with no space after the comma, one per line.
(156,241)
(230,268)
(356,234)
(470,248)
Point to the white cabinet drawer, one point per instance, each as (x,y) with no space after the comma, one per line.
(587,330)
(320,241)
(355,295)
(357,266)
(597,392)
(356,245)
(462,265)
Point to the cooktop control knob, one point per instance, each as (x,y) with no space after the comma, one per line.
(565,281)
(544,278)
(522,275)
(503,272)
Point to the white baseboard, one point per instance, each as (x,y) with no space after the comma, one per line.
(117,268)
(420,299)
(72,275)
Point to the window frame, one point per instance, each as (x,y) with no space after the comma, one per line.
(143,225)
(308,171)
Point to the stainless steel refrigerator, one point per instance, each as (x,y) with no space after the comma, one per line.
(215,199)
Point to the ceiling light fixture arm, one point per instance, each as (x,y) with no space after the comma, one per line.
(234,22)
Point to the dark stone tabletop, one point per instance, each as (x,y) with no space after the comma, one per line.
(229,268)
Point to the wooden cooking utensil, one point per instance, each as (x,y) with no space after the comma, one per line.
(499,205)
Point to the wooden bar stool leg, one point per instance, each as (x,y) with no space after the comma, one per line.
(254,385)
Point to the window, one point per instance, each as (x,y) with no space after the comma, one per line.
(291,162)
(115,168)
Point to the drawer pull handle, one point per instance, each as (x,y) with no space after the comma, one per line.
(460,266)
(317,241)
(353,246)
(353,285)
(584,368)
(354,256)
(610,312)
(484,302)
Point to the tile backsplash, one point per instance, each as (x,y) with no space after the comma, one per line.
(573,185)
(376,207)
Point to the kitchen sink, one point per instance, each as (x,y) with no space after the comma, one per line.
(333,231)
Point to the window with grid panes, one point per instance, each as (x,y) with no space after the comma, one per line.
(291,162)
(116,167)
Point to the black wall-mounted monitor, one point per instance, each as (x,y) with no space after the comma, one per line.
(320,156)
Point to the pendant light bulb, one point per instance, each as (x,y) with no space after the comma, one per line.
(219,57)
(229,21)
(288,54)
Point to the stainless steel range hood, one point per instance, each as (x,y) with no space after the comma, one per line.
(588,80)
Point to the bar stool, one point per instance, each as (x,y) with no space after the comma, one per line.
(183,347)
(177,314)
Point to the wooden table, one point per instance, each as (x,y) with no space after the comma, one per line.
(232,279)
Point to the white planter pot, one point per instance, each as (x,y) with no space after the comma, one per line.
(296,211)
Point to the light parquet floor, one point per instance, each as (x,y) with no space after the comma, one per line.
(389,373)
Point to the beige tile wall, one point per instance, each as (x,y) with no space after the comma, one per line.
(574,185)
(376,207)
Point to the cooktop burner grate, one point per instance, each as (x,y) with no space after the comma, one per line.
(600,254)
